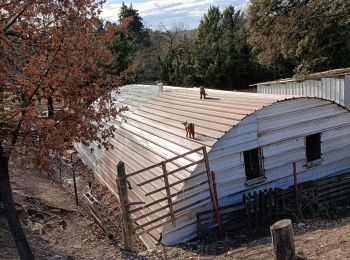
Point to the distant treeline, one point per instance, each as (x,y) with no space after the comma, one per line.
(232,49)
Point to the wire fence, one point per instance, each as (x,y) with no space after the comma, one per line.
(67,172)
(72,175)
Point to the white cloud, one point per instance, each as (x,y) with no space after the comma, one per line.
(192,10)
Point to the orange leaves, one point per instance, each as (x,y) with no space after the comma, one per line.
(55,54)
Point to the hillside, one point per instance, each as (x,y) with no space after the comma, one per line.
(57,229)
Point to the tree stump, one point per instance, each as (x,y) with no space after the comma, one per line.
(282,240)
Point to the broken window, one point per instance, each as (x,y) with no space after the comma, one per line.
(313,147)
(252,163)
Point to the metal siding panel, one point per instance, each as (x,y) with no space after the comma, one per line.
(329,89)
(290,88)
(258,89)
(283,146)
(297,117)
(300,90)
(311,89)
(289,106)
(337,90)
(318,85)
(347,91)
(323,88)
(306,88)
(332,85)
(306,128)
(341,91)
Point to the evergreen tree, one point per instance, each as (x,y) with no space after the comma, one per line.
(223,57)
(209,57)
(298,36)
(125,45)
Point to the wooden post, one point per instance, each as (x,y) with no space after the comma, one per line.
(263,206)
(124,206)
(279,204)
(216,203)
(296,192)
(60,167)
(282,240)
(199,226)
(213,191)
(71,153)
(168,194)
(248,212)
(256,211)
(75,186)
(270,205)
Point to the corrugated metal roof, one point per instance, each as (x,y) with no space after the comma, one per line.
(313,76)
(152,131)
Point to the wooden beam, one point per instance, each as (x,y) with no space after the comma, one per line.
(152,221)
(165,198)
(177,182)
(172,172)
(213,191)
(124,205)
(170,202)
(165,161)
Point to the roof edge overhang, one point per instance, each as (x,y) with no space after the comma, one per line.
(313,76)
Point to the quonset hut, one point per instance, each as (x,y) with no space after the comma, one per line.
(333,85)
(248,140)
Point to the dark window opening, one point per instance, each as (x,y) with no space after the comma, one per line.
(313,147)
(252,163)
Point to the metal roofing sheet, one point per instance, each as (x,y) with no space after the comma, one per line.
(313,76)
(152,131)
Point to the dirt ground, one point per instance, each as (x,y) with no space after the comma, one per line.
(58,229)
(55,226)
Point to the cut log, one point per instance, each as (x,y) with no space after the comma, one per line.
(282,240)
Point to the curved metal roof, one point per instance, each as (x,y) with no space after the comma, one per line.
(152,131)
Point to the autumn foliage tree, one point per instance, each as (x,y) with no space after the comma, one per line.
(52,69)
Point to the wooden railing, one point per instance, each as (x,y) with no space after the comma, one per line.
(260,209)
(167,213)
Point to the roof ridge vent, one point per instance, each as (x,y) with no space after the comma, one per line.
(160,86)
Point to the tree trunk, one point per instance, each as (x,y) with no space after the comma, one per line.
(10,209)
(50,108)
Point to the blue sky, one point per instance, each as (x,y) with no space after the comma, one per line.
(169,12)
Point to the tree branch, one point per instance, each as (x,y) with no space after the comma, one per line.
(16,17)
(24,112)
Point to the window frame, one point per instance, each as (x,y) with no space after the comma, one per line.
(261,177)
(313,161)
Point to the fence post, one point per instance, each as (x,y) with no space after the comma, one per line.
(263,206)
(216,202)
(248,211)
(72,164)
(168,193)
(212,190)
(282,240)
(75,185)
(256,211)
(270,205)
(60,168)
(124,205)
(296,192)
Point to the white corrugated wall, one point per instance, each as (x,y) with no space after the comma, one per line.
(279,130)
(333,88)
